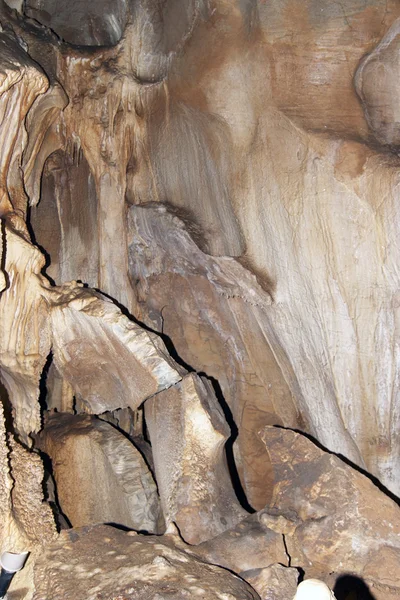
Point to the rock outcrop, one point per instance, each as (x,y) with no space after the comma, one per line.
(218,181)
(188,433)
(102,562)
(343,522)
(100,476)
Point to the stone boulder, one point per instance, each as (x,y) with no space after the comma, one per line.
(248,546)
(103,563)
(275,582)
(188,433)
(101,477)
(333,517)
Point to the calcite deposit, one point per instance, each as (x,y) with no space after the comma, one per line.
(199,297)
(104,563)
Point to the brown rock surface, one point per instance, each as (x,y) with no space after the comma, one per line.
(188,433)
(247,546)
(109,360)
(101,477)
(345,520)
(212,309)
(275,582)
(102,563)
(243,116)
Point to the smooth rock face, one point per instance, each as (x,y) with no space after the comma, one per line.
(105,563)
(274,582)
(313,589)
(345,520)
(247,546)
(81,23)
(376,84)
(101,477)
(188,433)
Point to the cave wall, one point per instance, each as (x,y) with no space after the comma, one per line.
(262,131)
(225,174)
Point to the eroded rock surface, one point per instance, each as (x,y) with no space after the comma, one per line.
(275,582)
(105,563)
(248,546)
(214,310)
(346,524)
(101,477)
(188,433)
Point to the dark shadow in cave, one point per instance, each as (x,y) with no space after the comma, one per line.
(8,410)
(43,387)
(348,462)
(4,254)
(351,587)
(46,255)
(237,484)
(60,518)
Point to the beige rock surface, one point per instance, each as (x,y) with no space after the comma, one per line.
(345,521)
(188,433)
(106,563)
(246,547)
(109,360)
(275,582)
(246,120)
(209,306)
(101,477)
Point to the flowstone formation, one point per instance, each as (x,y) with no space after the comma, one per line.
(199,297)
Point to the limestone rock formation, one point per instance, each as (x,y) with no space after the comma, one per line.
(84,330)
(102,562)
(89,335)
(274,582)
(188,433)
(345,523)
(101,477)
(218,181)
(231,548)
(213,308)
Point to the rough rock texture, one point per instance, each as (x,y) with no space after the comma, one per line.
(79,23)
(188,433)
(101,477)
(244,117)
(227,171)
(345,523)
(109,360)
(248,546)
(274,582)
(85,331)
(212,309)
(105,563)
